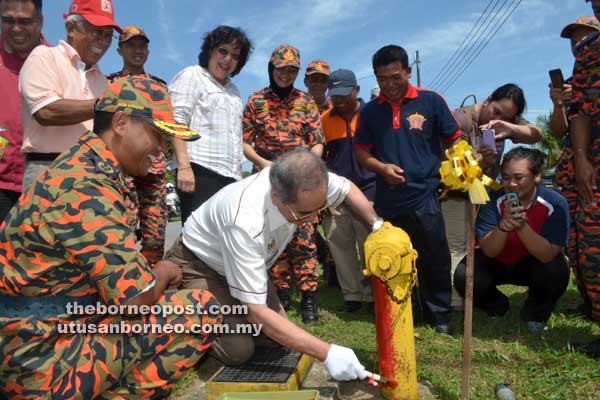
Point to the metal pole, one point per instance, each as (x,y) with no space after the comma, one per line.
(418,62)
(468,327)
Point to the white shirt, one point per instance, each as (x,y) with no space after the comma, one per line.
(215,112)
(240,233)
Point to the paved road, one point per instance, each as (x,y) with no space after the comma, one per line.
(173,230)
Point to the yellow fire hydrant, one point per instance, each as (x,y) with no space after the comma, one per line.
(391,261)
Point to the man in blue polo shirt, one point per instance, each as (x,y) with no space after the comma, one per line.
(398,138)
(521,242)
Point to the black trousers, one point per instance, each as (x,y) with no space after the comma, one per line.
(546,282)
(207,183)
(8,198)
(425,226)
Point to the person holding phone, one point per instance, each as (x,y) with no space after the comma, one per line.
(500,113)
(521,233)
(561,96)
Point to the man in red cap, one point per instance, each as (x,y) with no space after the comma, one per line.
(59,85)
(149,190)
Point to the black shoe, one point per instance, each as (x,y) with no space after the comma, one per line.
(350,306)
(443,328)
(285,298)
(308,305)
(591,349)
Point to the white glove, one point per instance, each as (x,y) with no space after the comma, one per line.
(377,224)
(342,364)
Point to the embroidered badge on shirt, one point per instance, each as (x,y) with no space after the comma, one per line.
(416,121)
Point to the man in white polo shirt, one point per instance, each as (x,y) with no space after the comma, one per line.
(230,242)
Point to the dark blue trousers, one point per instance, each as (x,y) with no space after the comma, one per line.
(425,226)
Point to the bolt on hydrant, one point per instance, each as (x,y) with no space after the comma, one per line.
(391,261)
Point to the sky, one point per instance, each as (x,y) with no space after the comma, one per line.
(346,33)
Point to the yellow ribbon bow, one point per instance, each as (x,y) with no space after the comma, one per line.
(462,172)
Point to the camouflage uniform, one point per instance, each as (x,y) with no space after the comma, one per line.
(274,126)
(149,209)
(564,180)
(586,102)
(70,237)
(320,67)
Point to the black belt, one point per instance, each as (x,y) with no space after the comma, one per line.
(41,156)
(41,306)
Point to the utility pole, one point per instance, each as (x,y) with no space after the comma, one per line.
(418,62)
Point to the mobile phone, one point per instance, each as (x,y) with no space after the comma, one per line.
(489,138)
(556,77)
(512,199)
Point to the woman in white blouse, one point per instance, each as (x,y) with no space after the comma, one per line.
(205,99)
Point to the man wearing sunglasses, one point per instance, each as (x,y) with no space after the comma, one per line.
(231,241)
(59,85)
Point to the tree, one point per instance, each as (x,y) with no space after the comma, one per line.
(549,144)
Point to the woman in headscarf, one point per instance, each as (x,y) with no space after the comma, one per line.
(278,119)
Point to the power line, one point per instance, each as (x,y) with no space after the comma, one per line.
(468,52)
(439,74)
(484,45)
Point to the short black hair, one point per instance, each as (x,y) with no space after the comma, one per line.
(512,92)
(37,4)
(388,54)
(102,121)
(535,158)
(222,35)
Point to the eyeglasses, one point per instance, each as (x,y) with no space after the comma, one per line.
(9,21)
(305,215)
(224,52)
(516,178)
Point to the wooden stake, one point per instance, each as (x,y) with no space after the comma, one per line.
(468,327)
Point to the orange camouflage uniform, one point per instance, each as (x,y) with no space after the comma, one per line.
(274,127)
(586,102)
(69,239)
(149,209)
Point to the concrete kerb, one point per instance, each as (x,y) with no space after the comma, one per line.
(317,379)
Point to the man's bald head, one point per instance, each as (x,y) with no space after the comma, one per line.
(299,170)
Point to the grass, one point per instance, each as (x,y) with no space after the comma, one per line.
(537,367)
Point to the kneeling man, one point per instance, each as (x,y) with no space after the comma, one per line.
(522,231)
(69,246)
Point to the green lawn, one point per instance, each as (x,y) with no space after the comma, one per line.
(540,367)
(536,366)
